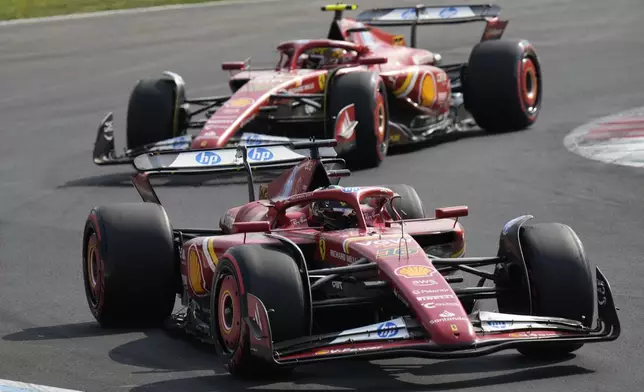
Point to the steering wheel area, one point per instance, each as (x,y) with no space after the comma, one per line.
(325,57)
(319,54)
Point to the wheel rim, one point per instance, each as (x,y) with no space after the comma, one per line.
(529,85)
(94,271)
(382,141)
(229,313)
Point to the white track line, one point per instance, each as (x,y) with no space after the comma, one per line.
(15,386)
(131,11)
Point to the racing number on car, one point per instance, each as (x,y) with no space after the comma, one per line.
(322,246)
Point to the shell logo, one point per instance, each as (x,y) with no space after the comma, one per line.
(240,102)
(415,271)
(195,277)
(428,91)
(322,81)
(398,40)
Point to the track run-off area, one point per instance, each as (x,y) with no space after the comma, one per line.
(59,78)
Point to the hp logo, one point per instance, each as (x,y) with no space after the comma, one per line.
(208,158)
(260,154)
(387,330)
(448,12)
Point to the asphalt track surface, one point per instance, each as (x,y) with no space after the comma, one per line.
(58,79)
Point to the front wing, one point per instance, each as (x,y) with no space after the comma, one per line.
(404,337)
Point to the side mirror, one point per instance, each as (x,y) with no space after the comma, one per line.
(451,212)
(233,66)
(438,59)
(372,60)
(251,227)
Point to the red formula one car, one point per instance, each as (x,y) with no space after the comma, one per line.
(362,86)
(312,271)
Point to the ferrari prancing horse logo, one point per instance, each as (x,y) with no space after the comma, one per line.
(322,81)
(322,248)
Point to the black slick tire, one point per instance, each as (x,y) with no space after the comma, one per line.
(503,85)
(561,282)
(409,206)
(272,275)
(369,95)
(151,112)
(130,271)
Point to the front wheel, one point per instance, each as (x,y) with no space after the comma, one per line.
(153,112)
(560,279)
(367,92)
(270,274)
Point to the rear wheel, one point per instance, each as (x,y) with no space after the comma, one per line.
(368,93)
(503,86)
(152,114)
(129,266)
(271,275)
(561,282)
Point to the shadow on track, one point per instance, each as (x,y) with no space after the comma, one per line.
(368,376)
(124,180)
(449,138)
(153,348)
(65,331)
(159,352)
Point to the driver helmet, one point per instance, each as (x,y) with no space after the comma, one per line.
(333,214)
(335,56)
(321,57)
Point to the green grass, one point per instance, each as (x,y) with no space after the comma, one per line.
(18,9)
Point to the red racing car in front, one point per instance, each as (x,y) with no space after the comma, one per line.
(313,271)
(362,86)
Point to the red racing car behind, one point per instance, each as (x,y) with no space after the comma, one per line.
(362,86)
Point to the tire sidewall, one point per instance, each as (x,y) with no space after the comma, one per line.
(370,148)
(255,269)
(242,350)
(91,227)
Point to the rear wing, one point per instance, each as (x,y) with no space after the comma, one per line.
(422,15)
(232,160)
(435,15)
